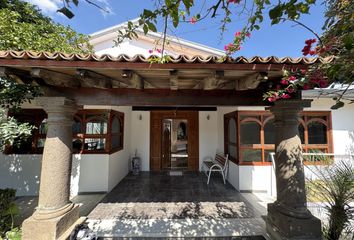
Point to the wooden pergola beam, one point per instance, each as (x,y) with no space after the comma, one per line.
(92,79)
(19,75)
(214,80)
(54,78)
(159,97)
(174,80)
(249,82)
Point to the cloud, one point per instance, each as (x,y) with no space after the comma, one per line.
(47,6)
(51,6)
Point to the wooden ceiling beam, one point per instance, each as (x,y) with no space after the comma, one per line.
(161,97)
(54,78)
(19,75)
(135,80)
(250,81)
(92,79)
(174,80)
(214,80)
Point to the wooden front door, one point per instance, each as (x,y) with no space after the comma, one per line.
(157,160)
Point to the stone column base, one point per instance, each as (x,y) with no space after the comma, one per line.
(50,228)
(283,227)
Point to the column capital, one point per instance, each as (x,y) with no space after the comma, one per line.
(60,110)
(289,104)
(56,104)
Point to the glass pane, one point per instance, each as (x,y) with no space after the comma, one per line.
(77,145)
(269,132)
(251,155)
(76,126)
(43,128)
(317,133)
(116,141)
(267,157)
(232,130)
(40,143)
(232,150)
(116,125)
(302,133)
(96,127)
(250,133)
(182,131)
(95,143)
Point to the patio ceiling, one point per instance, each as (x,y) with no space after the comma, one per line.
(89,75)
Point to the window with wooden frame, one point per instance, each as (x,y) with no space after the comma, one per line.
(34,143)
(256,135)
(230,133)
(94,131)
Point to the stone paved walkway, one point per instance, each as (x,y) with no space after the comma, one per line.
(159,205)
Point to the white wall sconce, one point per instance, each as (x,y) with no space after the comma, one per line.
(208,117)
(140,117)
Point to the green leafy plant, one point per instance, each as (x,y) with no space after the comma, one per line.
(335,186)
(8,210)
(24,27)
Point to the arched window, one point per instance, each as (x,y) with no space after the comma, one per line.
(94,131)
(250,131)
(269,131)
(117,131)
(256,134)
(96,125)
(250,135)
(232,137)
(317,132)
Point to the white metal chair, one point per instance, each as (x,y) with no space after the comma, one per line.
(219,164)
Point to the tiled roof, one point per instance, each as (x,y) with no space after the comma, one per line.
(29,55)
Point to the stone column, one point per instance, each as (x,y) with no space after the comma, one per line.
(55,213)
(288,217)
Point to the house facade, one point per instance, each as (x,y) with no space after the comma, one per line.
(171,116)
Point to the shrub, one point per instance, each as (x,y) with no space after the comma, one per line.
(8,210)
(335,185)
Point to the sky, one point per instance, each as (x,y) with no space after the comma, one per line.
(285,39)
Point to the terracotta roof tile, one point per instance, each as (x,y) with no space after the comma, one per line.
(140,58)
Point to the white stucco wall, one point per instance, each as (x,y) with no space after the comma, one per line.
(140,137)
(208,135)
(119,162)
(233,175)
(21,172)
(89,173)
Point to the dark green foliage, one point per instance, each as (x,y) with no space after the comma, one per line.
(24,27)
(8,210)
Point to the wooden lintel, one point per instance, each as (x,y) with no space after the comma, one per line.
(174,80)
(161,97)
(214,80)
(55,78)
(249,82)
(92,79)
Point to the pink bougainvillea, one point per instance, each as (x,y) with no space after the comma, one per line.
(233,1)
(294,81)
(193,20)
